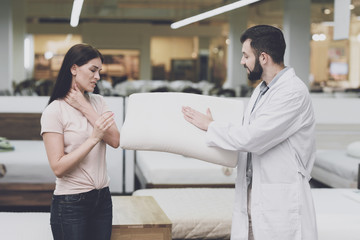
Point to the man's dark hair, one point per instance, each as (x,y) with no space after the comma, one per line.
(268,39)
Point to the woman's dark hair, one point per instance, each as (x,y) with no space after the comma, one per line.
(78,54)
(268,39)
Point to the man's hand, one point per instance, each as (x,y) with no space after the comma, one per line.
(196,118)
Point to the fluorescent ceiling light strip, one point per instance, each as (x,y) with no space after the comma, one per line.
(75,13)
(211,13)
(27,53)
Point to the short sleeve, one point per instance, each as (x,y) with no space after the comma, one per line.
(51,119)
(105,107)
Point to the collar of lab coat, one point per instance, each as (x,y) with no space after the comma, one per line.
(286,73)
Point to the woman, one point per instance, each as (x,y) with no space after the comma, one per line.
(76,126)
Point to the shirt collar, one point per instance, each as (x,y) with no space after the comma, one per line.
(276,77)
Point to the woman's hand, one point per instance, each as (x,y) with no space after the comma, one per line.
(62,163)
(196,118)
(76,98)
(102,124)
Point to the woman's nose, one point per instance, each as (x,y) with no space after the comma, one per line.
(97,76)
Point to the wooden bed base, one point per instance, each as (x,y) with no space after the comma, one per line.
(14,195)
(20,126)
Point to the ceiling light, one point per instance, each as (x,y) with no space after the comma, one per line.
(48,55)
(75,13)
(326,11)
(27,52)
(212,13)
(319,37)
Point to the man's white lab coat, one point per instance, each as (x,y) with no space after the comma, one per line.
(280,135)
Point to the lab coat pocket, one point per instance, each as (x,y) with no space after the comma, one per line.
(279,217)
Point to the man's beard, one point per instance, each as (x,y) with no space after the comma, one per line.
(256,73)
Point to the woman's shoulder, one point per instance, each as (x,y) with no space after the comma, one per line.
(54,107)
(97,99)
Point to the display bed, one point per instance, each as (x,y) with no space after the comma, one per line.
(29,180)
(27,163)
(336,169)
(163,170)
(205,213)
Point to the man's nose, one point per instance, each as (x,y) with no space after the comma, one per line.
(242,61)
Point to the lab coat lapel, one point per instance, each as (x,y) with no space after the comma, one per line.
(288,74)
(260,102)
(250,105)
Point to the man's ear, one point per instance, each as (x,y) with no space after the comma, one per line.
(263,58)
(73,69)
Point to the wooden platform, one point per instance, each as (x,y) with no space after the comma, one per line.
(22,195)
(139,218)
(24,126)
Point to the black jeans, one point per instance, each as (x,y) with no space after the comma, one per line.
(82,216)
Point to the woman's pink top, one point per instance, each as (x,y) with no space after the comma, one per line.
(91,173)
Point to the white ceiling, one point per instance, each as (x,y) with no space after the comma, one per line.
(161,11)
(120,10)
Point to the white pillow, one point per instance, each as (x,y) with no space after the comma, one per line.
(154,121)
(353,149)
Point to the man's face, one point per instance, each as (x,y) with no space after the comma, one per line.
(251,62)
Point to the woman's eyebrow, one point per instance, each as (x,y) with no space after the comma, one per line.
(96,67)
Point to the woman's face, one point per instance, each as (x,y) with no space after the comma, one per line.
(87,75)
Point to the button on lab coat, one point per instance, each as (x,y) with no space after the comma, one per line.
(280,135)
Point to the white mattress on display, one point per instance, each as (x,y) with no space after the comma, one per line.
(206,213)
(28,163)
(201,213)
(336,168)
(338,162)
(338,213)
(169,168)
(25,225)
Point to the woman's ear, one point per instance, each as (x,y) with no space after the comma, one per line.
(73,69)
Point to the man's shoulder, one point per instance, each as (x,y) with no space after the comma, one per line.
(291,80)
